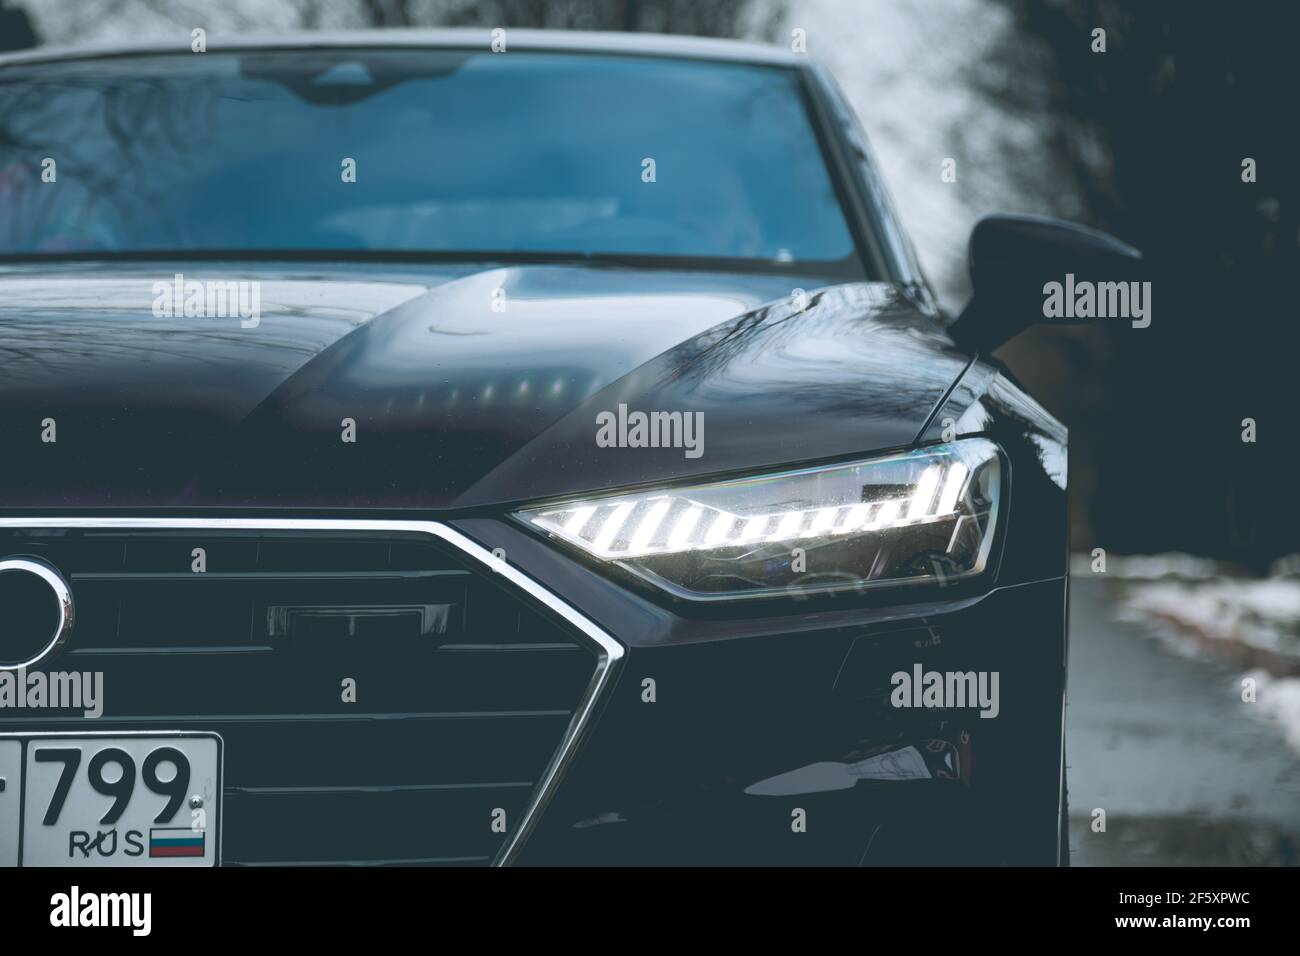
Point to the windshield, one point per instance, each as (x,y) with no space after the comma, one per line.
(433,151)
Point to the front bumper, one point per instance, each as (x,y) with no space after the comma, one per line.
(764,714)
(702,711)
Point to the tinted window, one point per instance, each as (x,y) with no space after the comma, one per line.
(454,152)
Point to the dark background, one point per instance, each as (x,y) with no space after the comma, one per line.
(1189,90)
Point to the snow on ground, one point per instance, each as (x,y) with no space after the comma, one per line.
(1264,614)
(1279,700)
(1180,600)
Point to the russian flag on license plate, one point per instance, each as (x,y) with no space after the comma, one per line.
(175,841)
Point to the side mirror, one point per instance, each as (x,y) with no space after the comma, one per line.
(1013,261)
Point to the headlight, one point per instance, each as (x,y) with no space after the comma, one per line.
(927,515)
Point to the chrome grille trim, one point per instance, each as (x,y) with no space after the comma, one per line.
(608,650)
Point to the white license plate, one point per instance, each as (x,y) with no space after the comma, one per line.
(111,799)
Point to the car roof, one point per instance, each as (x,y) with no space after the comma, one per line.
(626,44)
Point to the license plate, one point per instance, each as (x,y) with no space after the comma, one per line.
(111,799)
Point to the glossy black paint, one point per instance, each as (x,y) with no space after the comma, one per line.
(459,417)
(1011,258)
(456,405)
(747,694)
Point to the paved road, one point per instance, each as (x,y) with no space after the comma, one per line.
(1164,744)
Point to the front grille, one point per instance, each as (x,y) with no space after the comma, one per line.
(470,691)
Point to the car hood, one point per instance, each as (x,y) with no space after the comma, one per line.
(461,388)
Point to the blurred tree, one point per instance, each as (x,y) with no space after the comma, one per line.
(726,18)
(1158,128)
(16,31)
(722,18)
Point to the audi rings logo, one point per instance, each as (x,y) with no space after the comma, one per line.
(35,612)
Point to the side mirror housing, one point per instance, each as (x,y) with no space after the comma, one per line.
(1013,260)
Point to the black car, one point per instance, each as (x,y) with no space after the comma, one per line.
(509,448)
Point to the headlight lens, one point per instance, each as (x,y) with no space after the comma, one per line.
(927,515)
